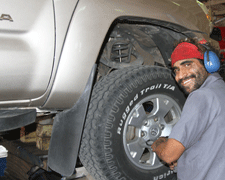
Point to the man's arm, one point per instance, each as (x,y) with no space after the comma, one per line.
(169,150)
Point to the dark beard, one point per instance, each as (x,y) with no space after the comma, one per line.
(199,80)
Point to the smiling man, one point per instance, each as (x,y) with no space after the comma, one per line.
(197,142)
(190,74)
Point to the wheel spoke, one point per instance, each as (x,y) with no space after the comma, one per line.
(167,130)
(138,117)
(154,160)
(161,107)
(155,106)
(135,150)
(167,127)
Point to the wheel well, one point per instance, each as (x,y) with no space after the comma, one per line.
(130,43)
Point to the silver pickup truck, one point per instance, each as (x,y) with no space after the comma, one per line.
(103,68)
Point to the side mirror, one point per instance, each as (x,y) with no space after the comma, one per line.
(216,34)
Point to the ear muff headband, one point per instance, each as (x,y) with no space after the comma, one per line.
(211,60)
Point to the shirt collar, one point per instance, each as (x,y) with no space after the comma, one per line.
(210,79)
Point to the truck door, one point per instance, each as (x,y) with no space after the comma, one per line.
(26,48)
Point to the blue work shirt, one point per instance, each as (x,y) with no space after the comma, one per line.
(201,129)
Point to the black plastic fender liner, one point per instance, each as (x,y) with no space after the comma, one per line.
(67,131)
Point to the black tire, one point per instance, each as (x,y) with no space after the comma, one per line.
(114,132)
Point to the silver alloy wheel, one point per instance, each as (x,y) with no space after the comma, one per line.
(152,117)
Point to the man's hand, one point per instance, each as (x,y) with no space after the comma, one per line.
(173,165)
(168,150)
(158,142)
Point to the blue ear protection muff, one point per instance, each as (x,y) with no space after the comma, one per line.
(211,60)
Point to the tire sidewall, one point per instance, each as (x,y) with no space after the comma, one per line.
(159,85)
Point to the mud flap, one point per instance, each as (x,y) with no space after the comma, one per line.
(67,131)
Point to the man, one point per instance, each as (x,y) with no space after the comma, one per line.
(197,141)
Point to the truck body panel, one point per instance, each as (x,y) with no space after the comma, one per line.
(86,35)
(27,49)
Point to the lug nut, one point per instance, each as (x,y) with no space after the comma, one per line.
(156,119)
(162,126)
(146,123)
(149,142)
(143,133)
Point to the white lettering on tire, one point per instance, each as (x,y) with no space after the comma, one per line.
(163,176)
(142,92)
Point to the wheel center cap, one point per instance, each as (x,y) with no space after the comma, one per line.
(154,132)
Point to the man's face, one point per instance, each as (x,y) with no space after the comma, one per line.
(190,74)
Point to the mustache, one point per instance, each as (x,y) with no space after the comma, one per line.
(188,77)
